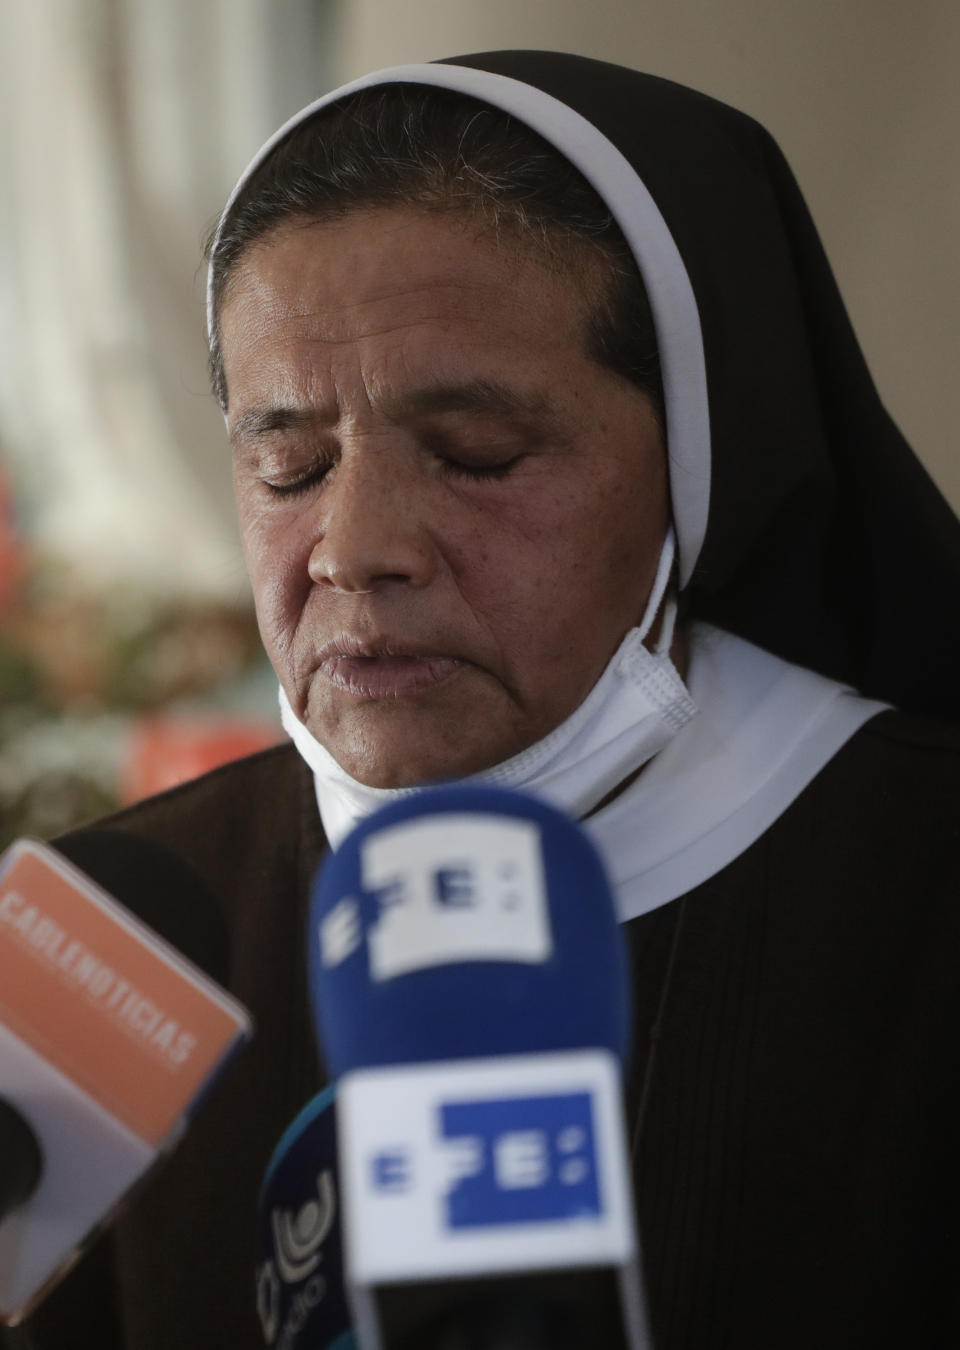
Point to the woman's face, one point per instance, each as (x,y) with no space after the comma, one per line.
(451,512)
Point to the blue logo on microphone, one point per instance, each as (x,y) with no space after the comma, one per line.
(521,1160)
(391,1172)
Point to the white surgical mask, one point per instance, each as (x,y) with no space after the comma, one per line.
(636,707)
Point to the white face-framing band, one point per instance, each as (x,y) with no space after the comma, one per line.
(675,314)
(764,728)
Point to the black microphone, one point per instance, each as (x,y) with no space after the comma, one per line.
(301,1297)
(111,1031)
(21,1161)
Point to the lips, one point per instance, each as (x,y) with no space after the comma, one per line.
(383,670)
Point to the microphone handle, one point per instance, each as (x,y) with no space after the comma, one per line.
(527,1313)
(508,1325)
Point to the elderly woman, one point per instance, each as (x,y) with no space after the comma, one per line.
(558,466)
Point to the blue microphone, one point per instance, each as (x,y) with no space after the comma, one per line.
(301,1297)
(465,921)
(470,987)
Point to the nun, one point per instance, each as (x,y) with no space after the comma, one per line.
(558,466)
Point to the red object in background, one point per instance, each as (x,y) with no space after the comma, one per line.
(165,751)
(13,558)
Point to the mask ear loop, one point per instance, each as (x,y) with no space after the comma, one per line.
(657,593)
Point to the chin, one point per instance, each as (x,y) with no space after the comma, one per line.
(405,771)
(422,761)
(405,744)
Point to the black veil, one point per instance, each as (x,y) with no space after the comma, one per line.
(826,541)
(805,522)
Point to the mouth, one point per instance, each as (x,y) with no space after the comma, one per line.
(384,670)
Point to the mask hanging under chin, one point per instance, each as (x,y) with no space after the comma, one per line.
(636,707)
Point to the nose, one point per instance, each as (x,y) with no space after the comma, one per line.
(372,531)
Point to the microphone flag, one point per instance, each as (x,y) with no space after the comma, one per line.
(109,1036)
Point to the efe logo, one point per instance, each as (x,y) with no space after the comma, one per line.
(515,1160)
(530,1160)
(455,888)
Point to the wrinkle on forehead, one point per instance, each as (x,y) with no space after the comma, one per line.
(389,302)
(477,397)
(251,279)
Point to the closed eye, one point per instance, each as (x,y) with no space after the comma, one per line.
(302,481)
(480,471)
(475,457)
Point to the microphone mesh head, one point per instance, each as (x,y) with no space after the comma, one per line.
(21,1161)
(465,921)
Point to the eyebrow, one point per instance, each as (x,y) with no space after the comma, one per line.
(262,419)
(476,397)
(472,396)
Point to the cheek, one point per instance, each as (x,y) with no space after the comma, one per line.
(592,572)
(277,549)
(629,544)
(521,582)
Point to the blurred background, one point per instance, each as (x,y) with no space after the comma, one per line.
(129,658)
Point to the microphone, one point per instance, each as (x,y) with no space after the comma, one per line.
(301,1297)
(470,985)
(21,1161)
(109,1038)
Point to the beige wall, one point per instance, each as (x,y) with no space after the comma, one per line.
(861,94)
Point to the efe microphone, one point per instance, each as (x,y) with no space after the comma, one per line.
(470,985)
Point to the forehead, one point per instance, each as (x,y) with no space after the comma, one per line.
(403,276)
